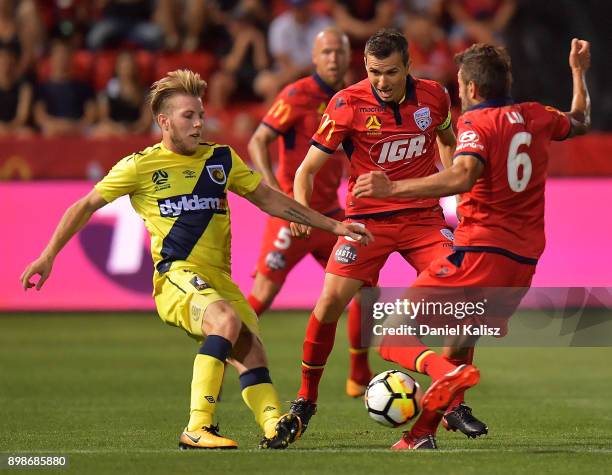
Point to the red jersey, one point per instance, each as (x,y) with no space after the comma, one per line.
(398,138)
(504,211)
(295,116)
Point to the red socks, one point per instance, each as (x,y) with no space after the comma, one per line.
(427,423)
(468,359)
(318,344)
(359,367)
(256,305)
(417,358)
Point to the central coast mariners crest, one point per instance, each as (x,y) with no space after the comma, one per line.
(422,118)
(217,174)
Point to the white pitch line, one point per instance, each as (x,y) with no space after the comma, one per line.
(552,450)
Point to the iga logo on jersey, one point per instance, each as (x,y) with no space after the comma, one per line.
(396,148)
(175,206)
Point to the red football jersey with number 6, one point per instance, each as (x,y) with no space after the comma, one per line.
(505,208)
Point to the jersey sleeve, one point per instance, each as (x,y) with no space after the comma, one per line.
(335,124)
(242,179)
(471,140)
(285,111)
(560,124)
(446,110)
(121,180)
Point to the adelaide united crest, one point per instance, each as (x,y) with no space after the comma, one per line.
(422,118)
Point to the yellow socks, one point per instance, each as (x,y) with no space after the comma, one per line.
(261,397)
(208,369)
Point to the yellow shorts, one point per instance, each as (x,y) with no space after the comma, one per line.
(182,296)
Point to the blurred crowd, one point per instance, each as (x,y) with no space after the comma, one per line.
(84,66)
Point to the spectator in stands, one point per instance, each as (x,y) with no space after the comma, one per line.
(290,40)
(434,9)
(479,21)
(430,53)
(210,22)
(20,30)
(122,105)
(135,21)
(68,19)
(361,19)
(248,56)
(15,97)
(64,106)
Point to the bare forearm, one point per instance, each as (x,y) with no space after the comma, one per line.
(445,183)
(581,101)
(446,154)
(503,16)
(71,223)
(282,206)
(302,186)
(258,151)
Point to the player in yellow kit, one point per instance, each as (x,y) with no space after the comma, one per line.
(179,187)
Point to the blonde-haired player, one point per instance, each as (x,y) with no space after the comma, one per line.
(179,187)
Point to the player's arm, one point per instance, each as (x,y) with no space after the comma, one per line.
(580,113)
(75,217)
(280,205)
(364,29)
(303,184)
(446,148)
(446,145)
(459,178)
(260,155)
(304,176)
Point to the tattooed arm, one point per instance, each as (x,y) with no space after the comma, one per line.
(280,205)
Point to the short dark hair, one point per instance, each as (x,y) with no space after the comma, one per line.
(489,67)
(385,42)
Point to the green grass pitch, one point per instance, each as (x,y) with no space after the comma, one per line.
(111,391)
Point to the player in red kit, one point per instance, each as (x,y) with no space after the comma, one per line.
(292,119)
(389,122)
(500,168)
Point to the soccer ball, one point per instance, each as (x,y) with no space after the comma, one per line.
(392,398)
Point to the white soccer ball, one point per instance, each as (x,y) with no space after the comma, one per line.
(393,398)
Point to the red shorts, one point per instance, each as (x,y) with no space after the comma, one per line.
(280,252)
(475,269)
(498,280)
(419,235)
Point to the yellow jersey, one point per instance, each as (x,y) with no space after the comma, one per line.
(183,202)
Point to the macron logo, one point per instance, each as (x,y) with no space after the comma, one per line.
(177,205)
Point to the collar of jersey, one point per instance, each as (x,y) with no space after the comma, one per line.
(189,157)
(326,88)
(499,102)
(408,94)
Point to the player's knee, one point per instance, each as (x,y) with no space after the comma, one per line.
(221,319)
(329,307)
(265,290)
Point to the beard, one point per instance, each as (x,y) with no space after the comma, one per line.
(182,146)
